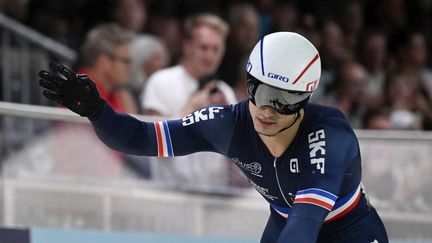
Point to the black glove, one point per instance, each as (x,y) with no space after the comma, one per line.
(76,92)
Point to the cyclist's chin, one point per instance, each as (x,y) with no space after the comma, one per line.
(266,130)
(267,133)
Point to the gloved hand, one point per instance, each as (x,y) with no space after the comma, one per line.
(76,92)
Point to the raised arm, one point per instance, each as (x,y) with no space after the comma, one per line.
(76,92)
(125,133)
(129,135)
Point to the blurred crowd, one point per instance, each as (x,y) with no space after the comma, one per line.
(171,57)
(375,53)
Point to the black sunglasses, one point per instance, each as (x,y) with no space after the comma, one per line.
(285,102)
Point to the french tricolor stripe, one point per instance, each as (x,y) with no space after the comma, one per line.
(341,207)
(316,197)
(344,205)
(163,139)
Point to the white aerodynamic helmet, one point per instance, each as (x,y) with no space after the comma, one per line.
(284,69)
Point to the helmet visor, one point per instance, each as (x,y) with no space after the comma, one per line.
(285,102)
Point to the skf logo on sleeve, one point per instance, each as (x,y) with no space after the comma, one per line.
(317,149)
(201,115)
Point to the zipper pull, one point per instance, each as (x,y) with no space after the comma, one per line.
(274,162)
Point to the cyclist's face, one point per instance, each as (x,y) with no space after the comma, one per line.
(267,120)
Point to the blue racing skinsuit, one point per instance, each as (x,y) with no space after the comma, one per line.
(314,189)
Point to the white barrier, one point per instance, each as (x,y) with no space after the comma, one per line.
(45,185)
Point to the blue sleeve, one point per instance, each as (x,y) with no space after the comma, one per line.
(331,149)
(332,146)
(301,226)
(194,133)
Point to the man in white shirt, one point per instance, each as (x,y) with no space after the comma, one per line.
(176,92)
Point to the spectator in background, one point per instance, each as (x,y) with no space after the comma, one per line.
(386,15)
(174,92)
(402,98)
(308,26)
(412,53)
(55,19)
(265,8)
(241,87)
(17,9)
(106,59)
(351,92)
(351,22)
(203,48)
(285,16)
(333,54)
(244,23)
(333,44)
(170,34)
(377,119)
(130,14)
(373,54)
(149,54)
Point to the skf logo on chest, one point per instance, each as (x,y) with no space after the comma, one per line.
(317,149)
(201,115)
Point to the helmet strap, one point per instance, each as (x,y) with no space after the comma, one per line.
(297,116)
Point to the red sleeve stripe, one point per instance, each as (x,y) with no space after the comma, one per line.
(346,207)
(159,139)
(314,202)
(347,210)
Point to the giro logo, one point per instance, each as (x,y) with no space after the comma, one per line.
(278,77)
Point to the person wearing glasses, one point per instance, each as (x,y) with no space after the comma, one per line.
(105,57)
(303,158)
